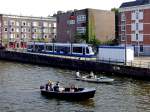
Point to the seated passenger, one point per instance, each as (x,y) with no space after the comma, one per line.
(78,74)
(91,75)
(56,87)
(50,85)
(46,87)
(72,88)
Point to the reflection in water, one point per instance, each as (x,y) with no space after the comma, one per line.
(19,91)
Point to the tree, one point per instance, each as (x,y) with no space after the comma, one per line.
(116,10)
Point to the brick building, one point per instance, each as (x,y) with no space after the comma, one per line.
(85,25)
(134,25)
(16,31)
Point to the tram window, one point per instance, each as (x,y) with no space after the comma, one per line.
(36,46)
(40,48)
(30,46)
(66,50)
(62,49)
(77,49)
(87,50)
(49,48)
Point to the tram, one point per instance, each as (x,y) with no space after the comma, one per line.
(68,49)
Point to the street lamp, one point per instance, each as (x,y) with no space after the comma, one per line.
(71,22)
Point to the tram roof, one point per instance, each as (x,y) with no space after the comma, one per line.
(58,44)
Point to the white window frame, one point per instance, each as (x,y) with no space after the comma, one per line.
(45,24)
(17,23)
(81,18)
(81,30)
(23,23)
(35,23)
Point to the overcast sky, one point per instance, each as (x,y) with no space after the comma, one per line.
(49,7)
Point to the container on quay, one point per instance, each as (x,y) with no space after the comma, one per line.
(116,53)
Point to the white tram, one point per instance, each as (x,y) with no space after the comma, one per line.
(73,49)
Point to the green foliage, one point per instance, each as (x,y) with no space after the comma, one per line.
(81,37)
(95,42)
(116,10)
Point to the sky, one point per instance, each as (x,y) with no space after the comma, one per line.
(49,7)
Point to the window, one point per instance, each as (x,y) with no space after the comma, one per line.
(12,29)
(23,36)
(12,22)
(45,36)
(23,29)
(5,29)
(45,24)
(5,22)
(137,37)
(12,35)
(29,24)
(49,48)
(35,36)
(123,17)
(45,30)
(17,35)
(77,49)
(17,23)
(17,29)
(54,30)
(141,48)
(137,15)
(35,23)
(122,37)
(87,50)
(81,30)
(29,30)
(34,30)
(54,24)
(123,28)
(137,26)
(81,18)
(24,23)
(71,22)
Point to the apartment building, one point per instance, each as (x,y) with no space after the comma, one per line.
(16,31)
(134,25)
(85,25)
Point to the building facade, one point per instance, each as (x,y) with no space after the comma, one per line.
(134,25)
(85,25)
(16,31)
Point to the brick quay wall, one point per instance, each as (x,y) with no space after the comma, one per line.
(76,64)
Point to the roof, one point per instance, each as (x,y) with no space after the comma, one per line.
(135,3)
(116,47)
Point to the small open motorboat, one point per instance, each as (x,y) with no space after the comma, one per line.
(68,94)
(93,78)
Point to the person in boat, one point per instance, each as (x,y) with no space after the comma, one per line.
(91,75)
(50,85)
(72,88)
(77,73)
(46,87)
(56,87)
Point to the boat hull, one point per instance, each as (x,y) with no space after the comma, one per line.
(95,80)
(81,95)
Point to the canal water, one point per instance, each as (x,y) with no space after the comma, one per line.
(19,91)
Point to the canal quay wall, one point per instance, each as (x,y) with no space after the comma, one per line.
(77,64)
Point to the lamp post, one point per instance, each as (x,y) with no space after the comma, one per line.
(125,44)
(138,46)
(71,22)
